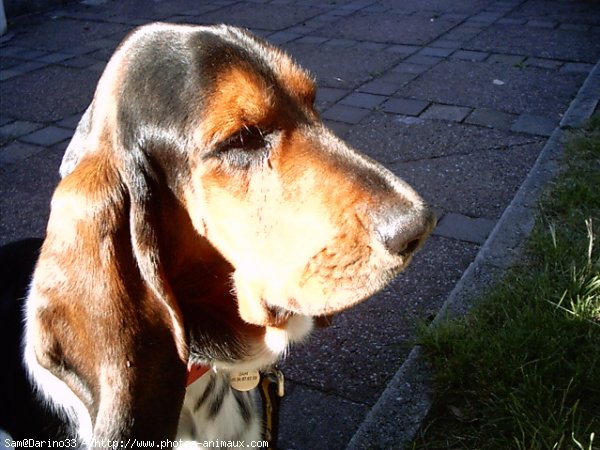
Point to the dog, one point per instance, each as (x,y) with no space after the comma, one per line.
(204,218)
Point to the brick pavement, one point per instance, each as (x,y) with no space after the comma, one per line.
(456,96)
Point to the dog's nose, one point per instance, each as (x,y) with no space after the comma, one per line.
(403,230)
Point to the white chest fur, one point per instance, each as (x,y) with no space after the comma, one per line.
(213,411)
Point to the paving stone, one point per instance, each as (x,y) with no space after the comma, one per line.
(47,136)
(19,128)
(543,63)
(328,96)
(406,106)
(52,58)
(14,51)
(30,54)
(402,138)
(422,60)
(338,12)
(436,52)
(61,33)
(357,5)
(447,6)
(7,63)
(281,37)
(491,118)
(341,67)
(319,22)
(70,122)
(29,66)
(539,125)
(389,28)
(67,91)
(406,67)
(8,74)
(79,62)
(275,17)
(102,54)
(499,7)
(478,184)
(78,50)
(371,46)
(506,59)
(464,32)
(446,43)
(464,228)
(342,42)
(303,29)
(340,129)
(575,27)
(93,2)
(363,100)
(469,55)
(455,16)
(315,40)
(397,79)
(375,9)
(17,151)
(26,185)
(378,87)
(509,21)
(329,431)
(542,24)
(559,11)
(403,49)
(446,112)
(577,68)
(485,17)
(565,45)
(525,90)
(344,113)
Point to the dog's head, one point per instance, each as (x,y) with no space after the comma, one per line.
(309,225)
(206,143)
(201,170)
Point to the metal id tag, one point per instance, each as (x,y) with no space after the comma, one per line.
(244,381)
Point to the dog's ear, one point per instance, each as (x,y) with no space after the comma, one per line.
(101,315)
(79,141)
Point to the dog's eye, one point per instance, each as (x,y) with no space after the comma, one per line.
(248,138)
(248,146)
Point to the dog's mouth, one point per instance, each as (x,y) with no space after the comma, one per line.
(277,316)
(321,308)
(319,296)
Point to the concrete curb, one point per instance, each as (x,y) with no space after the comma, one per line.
(396,417)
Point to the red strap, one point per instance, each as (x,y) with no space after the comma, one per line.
(195,371)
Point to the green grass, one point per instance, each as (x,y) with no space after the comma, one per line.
(522,369)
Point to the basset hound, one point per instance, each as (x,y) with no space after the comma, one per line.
(205,216)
